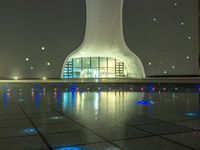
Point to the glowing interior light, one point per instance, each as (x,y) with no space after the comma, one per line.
(16,78)
(44,78)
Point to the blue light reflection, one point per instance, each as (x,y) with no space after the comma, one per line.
(69,148)
(65,100)
(29,131)
(58,98)
(73,90)
(4,96)
(192,114)
(151,88)
(37,99)
(143,102)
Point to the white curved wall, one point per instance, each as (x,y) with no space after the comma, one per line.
(104,36)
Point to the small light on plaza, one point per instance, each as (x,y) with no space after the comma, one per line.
(44,78)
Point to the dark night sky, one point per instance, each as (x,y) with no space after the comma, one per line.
(163,32)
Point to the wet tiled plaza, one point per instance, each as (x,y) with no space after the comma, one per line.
(40,116)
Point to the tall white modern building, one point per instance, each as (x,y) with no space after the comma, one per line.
(103,52)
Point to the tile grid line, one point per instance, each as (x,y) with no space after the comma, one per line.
(161,136)
(87,128)
(38,131)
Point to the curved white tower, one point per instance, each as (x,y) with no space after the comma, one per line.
(103,52)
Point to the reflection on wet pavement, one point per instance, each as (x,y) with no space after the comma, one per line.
(54,117)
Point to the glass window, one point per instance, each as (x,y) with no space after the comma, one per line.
(86,62)
(103,62)
(90,68)
(111,62)
(77,62)
(103,72)
(94,62)
(111,72)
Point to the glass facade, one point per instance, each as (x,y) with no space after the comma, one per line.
(94,67)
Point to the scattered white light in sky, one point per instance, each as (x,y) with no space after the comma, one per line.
(173,67)
(165,72)
(27,59)
(175,4)
(43,48)
(150,63)
(31,68)
(189,37)
(48,63)
(188,57)
(154,19)
(182,23)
